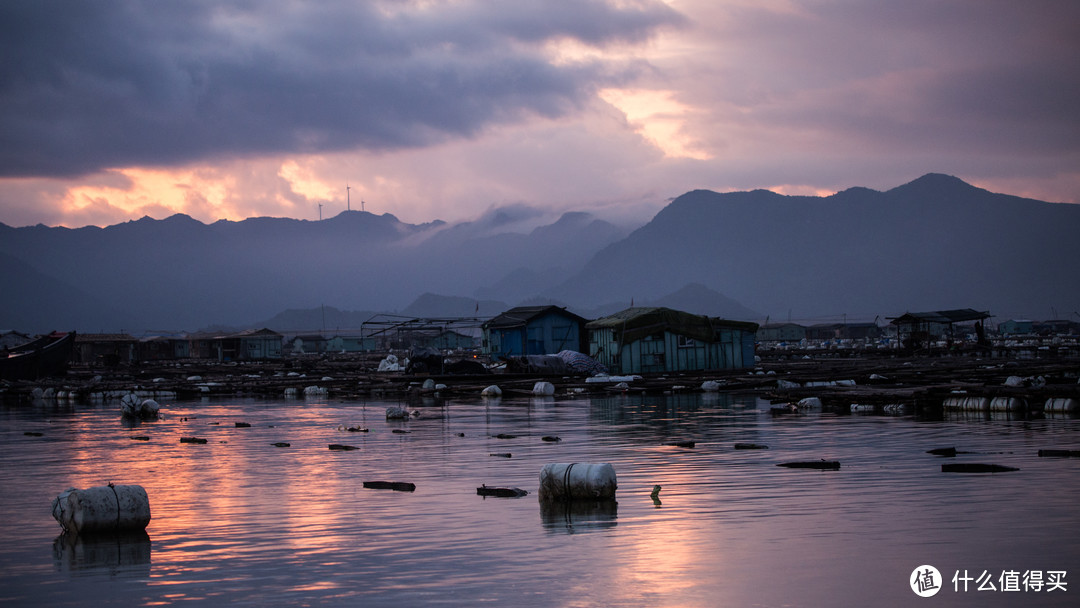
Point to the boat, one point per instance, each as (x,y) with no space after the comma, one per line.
(47,356)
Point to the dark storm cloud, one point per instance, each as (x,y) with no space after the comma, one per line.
(90,85)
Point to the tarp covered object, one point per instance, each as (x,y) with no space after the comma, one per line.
(577,481)
(583,363)
(108,508)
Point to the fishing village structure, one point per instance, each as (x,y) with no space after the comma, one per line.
(952,362)
(658,340)
(533,330)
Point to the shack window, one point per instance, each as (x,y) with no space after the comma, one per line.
(685,342)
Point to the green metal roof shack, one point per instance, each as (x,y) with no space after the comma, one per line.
(662,340)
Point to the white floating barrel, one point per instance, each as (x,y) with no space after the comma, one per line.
(967,404)
(102,509)
(577,481)
(543,388)
(1007,404)
(1061,404)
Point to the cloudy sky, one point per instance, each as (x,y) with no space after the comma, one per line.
(443,109)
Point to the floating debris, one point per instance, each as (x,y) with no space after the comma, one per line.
(822,465)
(1060,453)
(33,434)
(680,444)
(400,432)
(655,492)
(751,446)
(243,425)
(192,440)
(975,467)
(551,438)
(281,444)
(504,436)
(502,454)
(942,452)
(397,413)
(356,429)
(140,438)
(338,446)
(397,486)
(501,492)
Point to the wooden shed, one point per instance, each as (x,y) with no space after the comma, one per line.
(662,340)
(533,330)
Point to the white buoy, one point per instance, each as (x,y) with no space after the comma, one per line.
(108,508)
(543,388)
(577,481)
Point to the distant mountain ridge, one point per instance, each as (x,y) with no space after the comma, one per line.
(934,243)
(182,274)
(931,244)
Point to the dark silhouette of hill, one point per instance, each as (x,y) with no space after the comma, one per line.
(181,273)
(932,244)
(935,243)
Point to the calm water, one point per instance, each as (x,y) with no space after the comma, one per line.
(242,522)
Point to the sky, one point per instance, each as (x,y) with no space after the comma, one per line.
(447,109)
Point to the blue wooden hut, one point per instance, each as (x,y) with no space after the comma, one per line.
(662,340)
(533,330)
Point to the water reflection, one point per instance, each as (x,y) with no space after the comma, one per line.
(578,516)
(108,552)
(239,520)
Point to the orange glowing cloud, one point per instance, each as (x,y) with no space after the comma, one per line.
(658,117)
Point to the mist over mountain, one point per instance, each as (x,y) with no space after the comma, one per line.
(178,273)
(932,244)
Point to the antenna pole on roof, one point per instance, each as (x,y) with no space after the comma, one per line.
(348,198)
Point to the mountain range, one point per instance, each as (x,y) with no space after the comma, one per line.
(932,244)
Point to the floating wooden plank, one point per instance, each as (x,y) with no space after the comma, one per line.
(243,425)
(751,446)
(1059,453)
(501,492)
(823,465)
(551,438)
(975,467)
(338,446)
(501,454)
(281,444)
(397,486)
(681,444)
(192,440)
(942,451)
